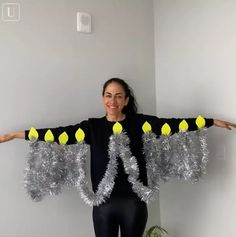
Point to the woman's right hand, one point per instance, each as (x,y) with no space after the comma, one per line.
(12,135)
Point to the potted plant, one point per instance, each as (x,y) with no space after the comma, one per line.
(156,231)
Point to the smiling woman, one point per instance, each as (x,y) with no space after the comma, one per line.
(118,99)
(130,154)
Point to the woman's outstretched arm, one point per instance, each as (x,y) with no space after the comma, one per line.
(67,131)
(12,135)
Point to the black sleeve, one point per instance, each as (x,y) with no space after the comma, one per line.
(70,131)
(175,122)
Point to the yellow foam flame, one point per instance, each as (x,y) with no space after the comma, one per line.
(49,136)
(166,130)
(200,121)
(33,134)
(147,127)
(183,126)
(63,138)
(80,135)
(117,128)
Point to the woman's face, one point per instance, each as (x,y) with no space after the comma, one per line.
(114,99)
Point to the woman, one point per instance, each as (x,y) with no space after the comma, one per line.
(123,207)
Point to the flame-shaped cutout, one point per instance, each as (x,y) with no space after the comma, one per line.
(166,130)
(183,126)
(200,121)
(147,127)
(117,128)
(33,134)
(79,135)
(49,136)
(63,138)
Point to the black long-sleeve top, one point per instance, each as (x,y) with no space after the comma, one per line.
(97,132)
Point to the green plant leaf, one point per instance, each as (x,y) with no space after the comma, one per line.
(156,231)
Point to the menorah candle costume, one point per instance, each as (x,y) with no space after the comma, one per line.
(128,159)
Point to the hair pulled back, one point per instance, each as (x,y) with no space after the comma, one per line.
(131,107)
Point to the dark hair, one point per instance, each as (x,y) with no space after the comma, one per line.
(131,107)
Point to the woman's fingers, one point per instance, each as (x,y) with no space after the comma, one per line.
(224,124)
(230,125)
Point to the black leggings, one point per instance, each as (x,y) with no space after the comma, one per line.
(130,214)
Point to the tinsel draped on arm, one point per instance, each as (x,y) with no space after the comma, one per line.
(183,155)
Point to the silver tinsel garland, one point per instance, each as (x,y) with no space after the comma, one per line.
(183,155)
(106,185)
(132,169)
(51,166)
(46,170)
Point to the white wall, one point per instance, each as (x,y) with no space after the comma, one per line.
(195,74)
(52,75)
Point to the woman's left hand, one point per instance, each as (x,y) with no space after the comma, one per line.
(224,124)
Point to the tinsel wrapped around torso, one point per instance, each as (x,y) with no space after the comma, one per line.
(130,162)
